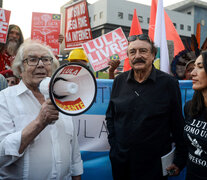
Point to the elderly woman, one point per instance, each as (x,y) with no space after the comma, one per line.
(195,130)
(30,146)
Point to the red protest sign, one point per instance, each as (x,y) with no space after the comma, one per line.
(46,28)
(4,24)
(100,49)
(77,25)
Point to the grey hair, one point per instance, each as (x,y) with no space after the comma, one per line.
(17,65)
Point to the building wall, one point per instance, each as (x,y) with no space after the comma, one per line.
(95,11)
(114,7)
(198,9)
(182,19)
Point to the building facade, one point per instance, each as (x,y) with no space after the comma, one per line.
(198,10)
(106,15)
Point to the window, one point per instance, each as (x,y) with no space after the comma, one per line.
(175,25)
(95,17)
(101,15)
(189,12)
(189,28)
(140,19)
(181,26)
(120,15)
(130,17)
(148,20)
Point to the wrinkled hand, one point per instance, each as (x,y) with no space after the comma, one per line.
(173,170)
(60,38)
(48,113)
(113,64)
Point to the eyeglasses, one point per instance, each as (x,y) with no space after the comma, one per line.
(34,61)
(144,37)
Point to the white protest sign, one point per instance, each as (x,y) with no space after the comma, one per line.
(100,49)
(92,132)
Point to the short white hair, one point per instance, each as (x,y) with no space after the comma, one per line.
(17,65)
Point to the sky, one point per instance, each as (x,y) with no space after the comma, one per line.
(21,10)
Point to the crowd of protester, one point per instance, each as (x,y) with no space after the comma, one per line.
(132,132)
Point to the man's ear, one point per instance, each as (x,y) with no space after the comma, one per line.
(21,69)
(154,55)
(20,75)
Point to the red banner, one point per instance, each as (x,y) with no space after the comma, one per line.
(46,28)
(100,49)
(4,24)
(77,25)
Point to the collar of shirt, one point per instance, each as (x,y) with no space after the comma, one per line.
(152,75)
(21,88)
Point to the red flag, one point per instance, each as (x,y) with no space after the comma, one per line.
(153,13)
(171,33)
(135,27)
(198,34)
(134,30)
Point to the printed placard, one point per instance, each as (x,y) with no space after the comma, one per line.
(46,28)
(77,25)
(100,49)
(4,24)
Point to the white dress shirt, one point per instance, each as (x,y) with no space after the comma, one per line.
(53,154)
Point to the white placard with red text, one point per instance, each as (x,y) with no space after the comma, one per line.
(77,25)
(100,49)
(4,24)
(46,28)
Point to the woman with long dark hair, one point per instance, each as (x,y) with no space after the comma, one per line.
(195,130)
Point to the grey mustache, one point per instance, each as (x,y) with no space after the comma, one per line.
(138,61)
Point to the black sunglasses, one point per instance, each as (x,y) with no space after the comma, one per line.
(144,37)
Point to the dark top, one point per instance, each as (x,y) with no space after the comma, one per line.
(146,114)
(195,134)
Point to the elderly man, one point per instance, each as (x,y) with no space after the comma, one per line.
(143,112)
(31,145)
(9,50)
